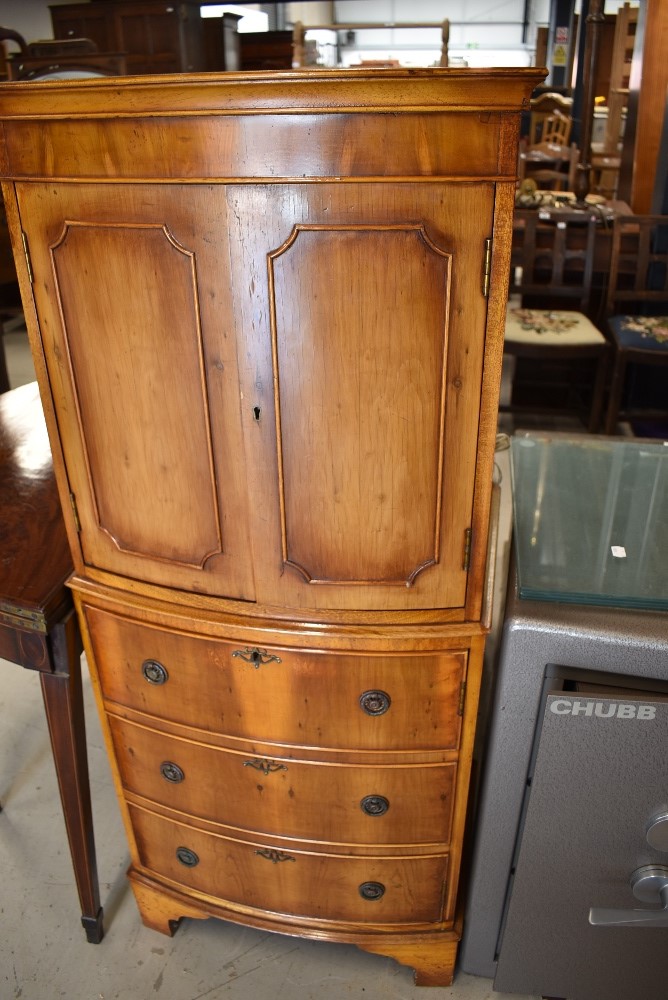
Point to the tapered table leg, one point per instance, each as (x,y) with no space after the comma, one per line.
(63,701)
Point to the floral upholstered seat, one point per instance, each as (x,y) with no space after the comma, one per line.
(645,333)
(556,327)
(637,308)
(552,263)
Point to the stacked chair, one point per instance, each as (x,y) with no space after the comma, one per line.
(560,356)
(637,319)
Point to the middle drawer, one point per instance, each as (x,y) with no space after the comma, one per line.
(400,804)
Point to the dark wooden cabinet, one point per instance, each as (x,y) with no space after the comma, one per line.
(267,313)
(85,20)
(155,37)
(266,50)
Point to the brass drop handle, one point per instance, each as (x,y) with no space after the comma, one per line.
(187,857)
(171,772)
(154,672)
(374,805)
(372,890)
(258,657)
(375,702)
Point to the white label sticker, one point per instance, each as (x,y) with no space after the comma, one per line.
(618,551)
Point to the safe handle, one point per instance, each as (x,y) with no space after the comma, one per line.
(650,885)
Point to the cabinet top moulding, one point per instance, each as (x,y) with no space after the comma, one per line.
(277,92)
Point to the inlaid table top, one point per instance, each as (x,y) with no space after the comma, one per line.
(34,556)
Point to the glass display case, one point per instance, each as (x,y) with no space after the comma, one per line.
(591,519)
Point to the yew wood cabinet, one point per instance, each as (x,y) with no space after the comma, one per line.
(266,312)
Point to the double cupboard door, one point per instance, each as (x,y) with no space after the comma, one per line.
(268,392)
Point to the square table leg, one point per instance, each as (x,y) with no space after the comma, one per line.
(63,701)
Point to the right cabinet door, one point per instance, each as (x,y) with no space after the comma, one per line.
(362,319)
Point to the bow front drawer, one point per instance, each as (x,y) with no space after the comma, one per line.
(379,890)
(277,695)
(334,803)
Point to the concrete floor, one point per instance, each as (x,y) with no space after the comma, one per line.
(43,950)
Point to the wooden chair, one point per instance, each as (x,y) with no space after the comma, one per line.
(553,168)
(543,107)
(557,129)
(560,355)
(606,157)
(59,58)
(637,317)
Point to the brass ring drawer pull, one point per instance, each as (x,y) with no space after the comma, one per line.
(154,672)
(171,772)
(374,805)
(375,702)
(264,765)
(274,856)
(187,857)
(258,657)
(372,890)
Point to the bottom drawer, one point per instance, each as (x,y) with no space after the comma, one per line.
(388,890)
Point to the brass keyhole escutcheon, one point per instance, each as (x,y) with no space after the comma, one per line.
(271,854)
(258,657)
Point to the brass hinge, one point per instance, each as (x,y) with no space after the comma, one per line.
(462,698)
(467,549)
(487,270)
(26,251)
(73,502)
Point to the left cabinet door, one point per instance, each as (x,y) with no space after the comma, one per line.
(131,295)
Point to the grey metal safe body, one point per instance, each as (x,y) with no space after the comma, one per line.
(566,800)
(572,814)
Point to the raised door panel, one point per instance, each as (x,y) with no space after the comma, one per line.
(143,372)
(365,516)
(364,334)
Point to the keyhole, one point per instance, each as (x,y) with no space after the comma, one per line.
(256,413)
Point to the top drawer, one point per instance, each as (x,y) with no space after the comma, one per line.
(277,695)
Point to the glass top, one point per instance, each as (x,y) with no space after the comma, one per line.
(591,519)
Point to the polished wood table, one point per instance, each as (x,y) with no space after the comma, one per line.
(38,626)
